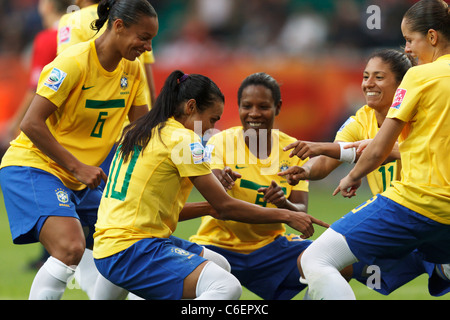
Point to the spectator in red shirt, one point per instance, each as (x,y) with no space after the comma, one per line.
(44,51)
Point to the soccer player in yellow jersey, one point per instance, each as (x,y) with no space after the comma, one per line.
(50,174)
(75,27)
(246,160)
(382,76)
(159,159)
(412,213)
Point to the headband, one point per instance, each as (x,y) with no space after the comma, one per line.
(182,78)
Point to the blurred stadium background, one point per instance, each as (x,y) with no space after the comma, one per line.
(315,49)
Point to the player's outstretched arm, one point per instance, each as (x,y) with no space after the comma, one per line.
(372,157)
(307,149)
(229,208)
(314,169)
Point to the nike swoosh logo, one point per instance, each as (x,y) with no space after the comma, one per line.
(85,88)
(238,167)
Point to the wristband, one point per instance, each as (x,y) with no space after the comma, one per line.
(347,155)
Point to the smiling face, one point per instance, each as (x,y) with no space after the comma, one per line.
(417,44)
(379,84)
(208,117)
(137,38)
(257,109)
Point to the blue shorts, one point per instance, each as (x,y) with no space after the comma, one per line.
(153,268)
(271,272)
(403,271)
(382,232)
(32,195)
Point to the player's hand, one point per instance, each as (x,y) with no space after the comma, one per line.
(303,222)
(273,194)
(303,149)
(91,176)
(347,187)
(227,177)
(295,174)
(359,145)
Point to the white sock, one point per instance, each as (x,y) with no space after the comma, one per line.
(86,273)
(217,258)
(106,290)
(321,263)
(443,271)
(50,281)
(214,283)
(307,296)
(132,296)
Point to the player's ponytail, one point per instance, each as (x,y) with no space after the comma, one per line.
(129,11)
(103,9)
(178,88)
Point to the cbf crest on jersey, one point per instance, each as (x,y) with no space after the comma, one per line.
(55,79)
(62,196)
(284,165)
(124,82)
(181,252)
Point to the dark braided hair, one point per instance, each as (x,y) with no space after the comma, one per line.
(129,11)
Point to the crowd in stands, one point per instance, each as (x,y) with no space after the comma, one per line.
(200,30)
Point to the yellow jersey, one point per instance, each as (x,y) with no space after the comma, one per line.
(231,150)
(92,104)
(75,27)
(144,196)
(363,125)
(422,101)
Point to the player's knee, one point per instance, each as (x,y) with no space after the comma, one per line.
(235,289)
(329,253)
(217,258)
(229,287)
(215,283)
(309,264)
(70,252)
